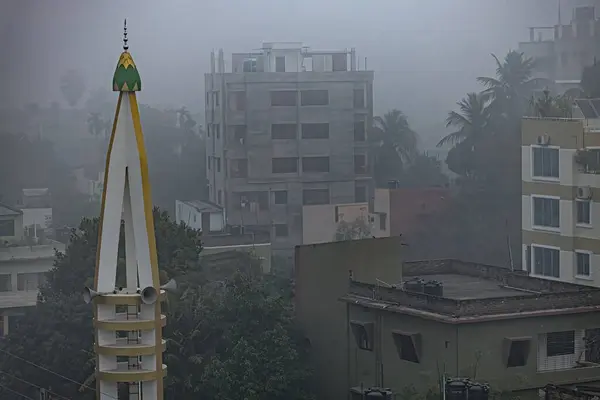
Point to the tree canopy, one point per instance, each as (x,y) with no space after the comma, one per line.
(229,336)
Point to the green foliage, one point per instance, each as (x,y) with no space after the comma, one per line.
(72,86)
(229,336)
(357,229)
(548,106)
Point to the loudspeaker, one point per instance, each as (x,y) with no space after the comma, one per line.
(170,286)
(149,295)
(89,294)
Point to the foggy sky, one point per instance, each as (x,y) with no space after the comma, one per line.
(425,53)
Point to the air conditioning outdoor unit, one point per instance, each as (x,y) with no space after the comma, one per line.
(584,193)
(543,140)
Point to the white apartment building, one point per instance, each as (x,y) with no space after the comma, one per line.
(561,196)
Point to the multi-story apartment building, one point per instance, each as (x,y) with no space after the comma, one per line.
(287,127)
(563,50)
(373,321)
(560,196)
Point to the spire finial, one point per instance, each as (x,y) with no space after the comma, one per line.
(125,45)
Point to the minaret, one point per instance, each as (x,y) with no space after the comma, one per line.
(127,320)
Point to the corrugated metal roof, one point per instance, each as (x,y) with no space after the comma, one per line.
(203,206)
(9,211)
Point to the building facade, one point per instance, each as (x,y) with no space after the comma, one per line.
(563,50)
(200,215)
(287,127)
(560,205)
(374,321)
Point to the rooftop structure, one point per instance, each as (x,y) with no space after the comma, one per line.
(287,128)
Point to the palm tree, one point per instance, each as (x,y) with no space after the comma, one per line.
(393,131)
(512,86)
(185,119)
(471,121)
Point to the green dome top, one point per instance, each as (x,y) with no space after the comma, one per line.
(127,77)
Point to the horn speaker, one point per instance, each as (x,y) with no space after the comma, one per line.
(170,286)
(149,295)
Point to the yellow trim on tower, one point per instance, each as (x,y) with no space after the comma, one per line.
(132,351)
(139,137)
(108,154)
(134,376)
(126,299)
(132,325)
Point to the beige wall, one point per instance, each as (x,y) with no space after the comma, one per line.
(322,276)
(319,224)
(262,251)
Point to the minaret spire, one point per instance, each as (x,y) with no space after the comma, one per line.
(125,45)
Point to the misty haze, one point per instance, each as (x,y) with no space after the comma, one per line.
(300,200)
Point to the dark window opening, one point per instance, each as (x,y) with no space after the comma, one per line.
(360,194)
(281,230)
(250,201)
(314,97)
(546,261)
(315,196)
(359,131)
(239,168)
(280,197)
(560,343)
(339,62)
(283,131)
(407,346)
(284,165)
(217,130)
(239,133)
(284,98)
(546,212)
(360,164)
(5,283)
(279,64)
(315,164)
(592,345)
(359,98)
(217,101)
(363,334)
(218,160)
(219,198)
(382,221)
(315,131)
(7,227)
(237,101)
(518,353)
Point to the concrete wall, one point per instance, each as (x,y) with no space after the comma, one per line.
(322,276)
(193,218)
(261,250)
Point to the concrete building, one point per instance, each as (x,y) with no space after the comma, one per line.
(286,128)
(563,50)
(560,208)
(371,323)
(322,223)
(36,205)
(258,244)
(23,264)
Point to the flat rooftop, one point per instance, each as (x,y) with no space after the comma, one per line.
(472,291)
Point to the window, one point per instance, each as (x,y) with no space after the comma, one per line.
(280,197)
(217,130)
(315,131)
(518,352)
(5,283)
(209,162)
(363,334)
(315,196)
(546,261)
(545,162)
(314,97)
(237,101)
(582,264)
(560,343)
(408,346)
(208,129)
(546,212)
(239,168)
(359,98)
(216,97)
(218,161)
(7,227)
(29,281)
(382,221)
(279,64)
(360,164)
(284,165)
(281,230)
(283,131)
(315,164)
(250,65)
(339,62)
(592,345)
(359,131)
(284,98)
(584,212)
(360,194)
(219,199)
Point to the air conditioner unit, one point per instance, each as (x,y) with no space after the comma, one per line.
(543,140)
(584,193)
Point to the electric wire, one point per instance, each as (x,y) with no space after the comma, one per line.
(54,394)
(15,392)
(54,373)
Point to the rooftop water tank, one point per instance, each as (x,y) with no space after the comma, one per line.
(478,391)
(456,389)
(414,285)
(434,288)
